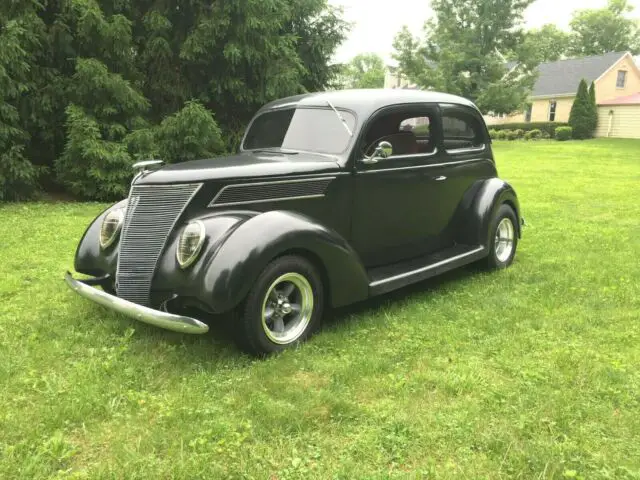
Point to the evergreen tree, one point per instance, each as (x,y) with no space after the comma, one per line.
(581,118)
(594,107)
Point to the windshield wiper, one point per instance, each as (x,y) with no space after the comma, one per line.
(344,122)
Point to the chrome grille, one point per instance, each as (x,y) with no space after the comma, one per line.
(152,212)
(271,191)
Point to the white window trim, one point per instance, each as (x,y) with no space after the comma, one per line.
(555,113)
(624,83)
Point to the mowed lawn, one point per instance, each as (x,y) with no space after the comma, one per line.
(533,372)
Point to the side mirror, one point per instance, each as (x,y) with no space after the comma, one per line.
(383,150)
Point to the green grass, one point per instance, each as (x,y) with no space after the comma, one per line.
(528,373)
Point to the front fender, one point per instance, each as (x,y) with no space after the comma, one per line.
(233,261)
(90,259)
(478,208)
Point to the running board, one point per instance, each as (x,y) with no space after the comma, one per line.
(391,277)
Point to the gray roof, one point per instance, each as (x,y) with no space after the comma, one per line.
(563,76)
(366,101)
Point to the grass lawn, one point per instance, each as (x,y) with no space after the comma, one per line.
(533,372)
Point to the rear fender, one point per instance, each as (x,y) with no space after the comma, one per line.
(478,208)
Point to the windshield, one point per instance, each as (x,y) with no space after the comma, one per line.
(305,129)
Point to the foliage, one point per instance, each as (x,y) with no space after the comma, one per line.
(603,30)
(521,380)
(463,53)
(493,134)
(190,134)
(534,134)
(366,70)
(125,66)
(582,113)
(519,133)
(18,176)
(594,107)
(547,44)
(548,128)
(564,133)
(510,135)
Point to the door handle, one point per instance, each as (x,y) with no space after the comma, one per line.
(441,178)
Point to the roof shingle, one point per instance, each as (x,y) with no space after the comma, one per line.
(563,76)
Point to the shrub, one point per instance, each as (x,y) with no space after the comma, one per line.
(581,118)
(501,134)
(546,127)
(564,133)
(493,134)
(510,135)
(519,133)
(533,135)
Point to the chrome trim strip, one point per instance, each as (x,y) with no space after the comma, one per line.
(467,150)
(213,204)
(432,165)
(427,268)
(168,321)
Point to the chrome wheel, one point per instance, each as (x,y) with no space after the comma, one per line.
(504,242)
(287,308)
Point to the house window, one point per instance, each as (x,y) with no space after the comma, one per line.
(622,79)
(527,112)
(552,110)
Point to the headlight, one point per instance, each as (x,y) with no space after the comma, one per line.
(190,243)
(111,226)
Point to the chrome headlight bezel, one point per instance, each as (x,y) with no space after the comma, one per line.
(183,260)
(116,214)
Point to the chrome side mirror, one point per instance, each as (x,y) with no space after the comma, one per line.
(382,151)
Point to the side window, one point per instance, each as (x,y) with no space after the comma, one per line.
(461,130)
(408,134)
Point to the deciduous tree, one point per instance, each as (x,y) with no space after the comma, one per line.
(603,30)
(464,52)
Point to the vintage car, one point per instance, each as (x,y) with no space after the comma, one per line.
(333,198)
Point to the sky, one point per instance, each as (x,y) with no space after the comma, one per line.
(376,22)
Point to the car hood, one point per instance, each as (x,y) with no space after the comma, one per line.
(244,165)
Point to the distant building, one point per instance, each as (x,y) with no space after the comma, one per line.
(615,75)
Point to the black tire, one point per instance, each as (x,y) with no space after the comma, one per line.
(495,261)
(257,337)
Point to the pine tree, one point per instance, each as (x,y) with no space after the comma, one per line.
(594,107)
(581,117)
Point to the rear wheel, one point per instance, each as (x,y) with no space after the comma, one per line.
(503,238)
(283,308)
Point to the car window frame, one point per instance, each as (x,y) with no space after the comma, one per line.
(413,110)
(486,139)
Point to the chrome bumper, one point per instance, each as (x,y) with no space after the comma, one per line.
(168,321)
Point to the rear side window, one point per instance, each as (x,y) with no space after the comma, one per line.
(461,130)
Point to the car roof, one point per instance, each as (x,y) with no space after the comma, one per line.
(365,102)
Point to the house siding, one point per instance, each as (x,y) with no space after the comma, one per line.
(606,85)
(624,124)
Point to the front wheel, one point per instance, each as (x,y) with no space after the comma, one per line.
(283,308)
(503,238)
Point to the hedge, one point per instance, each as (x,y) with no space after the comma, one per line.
(546,127)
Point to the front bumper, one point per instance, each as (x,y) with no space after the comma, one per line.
(168,321)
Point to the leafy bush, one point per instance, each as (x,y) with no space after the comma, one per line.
(510,135)
(501,134)
(533,135)
(548,127)
(519,133)
(564,133)
(493,134)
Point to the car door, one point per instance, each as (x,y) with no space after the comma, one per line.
(395,212)
(467,158)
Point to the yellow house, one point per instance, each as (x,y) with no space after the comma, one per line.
(615,75)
